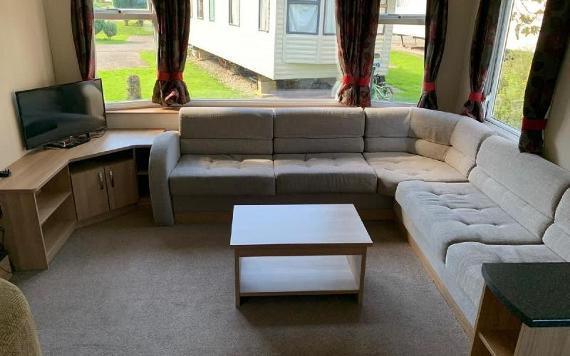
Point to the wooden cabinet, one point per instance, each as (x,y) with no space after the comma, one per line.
(100,187)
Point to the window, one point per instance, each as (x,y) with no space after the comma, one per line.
(125,48)
(212,10)
(303,16)
(234,12)
(330,18)
(399,52)
(518,35)
(264,15)
(200,9)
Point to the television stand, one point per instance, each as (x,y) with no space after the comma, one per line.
(70,142)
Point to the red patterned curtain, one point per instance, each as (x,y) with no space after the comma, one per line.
(550,51)
(82,28)
(484,39)
(357,25)
(436,30)
(173,17)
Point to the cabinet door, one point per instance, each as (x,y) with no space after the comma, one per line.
(90,193)
(122,184)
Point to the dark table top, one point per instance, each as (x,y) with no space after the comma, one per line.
(537,293)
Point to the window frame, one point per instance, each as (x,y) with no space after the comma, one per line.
(230,7)
(303,2)
(495,69)
(389,19)
(212,10)
(259,28)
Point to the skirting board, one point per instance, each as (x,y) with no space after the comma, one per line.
(224,217)
(5,268)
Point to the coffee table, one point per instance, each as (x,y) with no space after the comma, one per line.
(298,250)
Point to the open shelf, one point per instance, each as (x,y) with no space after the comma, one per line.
(58,227)
(296,275)
(48,203)
(500,342)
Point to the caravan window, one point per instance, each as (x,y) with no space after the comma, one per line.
(303,16)
(264,15)
(234,12)
(212,10)
(200,9)
(330,18)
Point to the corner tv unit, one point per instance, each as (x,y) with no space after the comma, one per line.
(61,115)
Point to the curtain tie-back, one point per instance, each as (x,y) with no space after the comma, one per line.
(533,124)
(429,86)
(362,82)
(163,76)
(476,96)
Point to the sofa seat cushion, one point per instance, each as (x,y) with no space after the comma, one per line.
(324,173)
(464,262)
(395,167)
(223,175)
(449,213)
(557,236)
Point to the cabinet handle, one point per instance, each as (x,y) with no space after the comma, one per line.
(101,180)
(112,178)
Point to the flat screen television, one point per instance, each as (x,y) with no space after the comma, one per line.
(56,113)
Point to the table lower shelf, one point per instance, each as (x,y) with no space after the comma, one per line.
(279,275)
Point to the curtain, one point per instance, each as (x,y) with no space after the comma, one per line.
(436,30)
(550,51)
(173,18)
(482,47)
(357,25)
(82,28)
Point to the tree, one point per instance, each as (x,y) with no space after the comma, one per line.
(526,15)
(110,29)
(99,25)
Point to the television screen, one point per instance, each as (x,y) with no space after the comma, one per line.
(58,112)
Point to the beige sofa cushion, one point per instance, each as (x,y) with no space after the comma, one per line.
(218,130)
(465,260)
(524,185)
(393,168)
(223,175)
(447,214)
(323,173)
(557,236)
(319,130)
(466,141)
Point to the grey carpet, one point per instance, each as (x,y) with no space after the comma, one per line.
(126,287)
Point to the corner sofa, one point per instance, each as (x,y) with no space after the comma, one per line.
(465,195)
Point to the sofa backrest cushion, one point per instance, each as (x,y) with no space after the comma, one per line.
(319,130)
(466,140)
(526,186)
(557,236)
(236,130)
(419,131)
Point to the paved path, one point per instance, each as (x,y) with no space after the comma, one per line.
(125,55)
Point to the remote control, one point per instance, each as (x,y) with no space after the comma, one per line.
(5,173)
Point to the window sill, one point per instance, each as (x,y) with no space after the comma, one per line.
(503,130)
(146,107)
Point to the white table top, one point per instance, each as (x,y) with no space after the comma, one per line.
(309,224)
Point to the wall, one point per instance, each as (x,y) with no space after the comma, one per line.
(228,41)
(58,18)
(26,63)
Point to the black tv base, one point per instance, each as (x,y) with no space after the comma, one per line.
(71,141)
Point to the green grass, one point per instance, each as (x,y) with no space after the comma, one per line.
(512,84)
(405,75)
(201,84)
(124,32)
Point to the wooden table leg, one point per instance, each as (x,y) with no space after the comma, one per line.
(237,278)
(362,272)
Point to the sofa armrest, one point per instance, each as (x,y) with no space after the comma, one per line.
(164,155)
